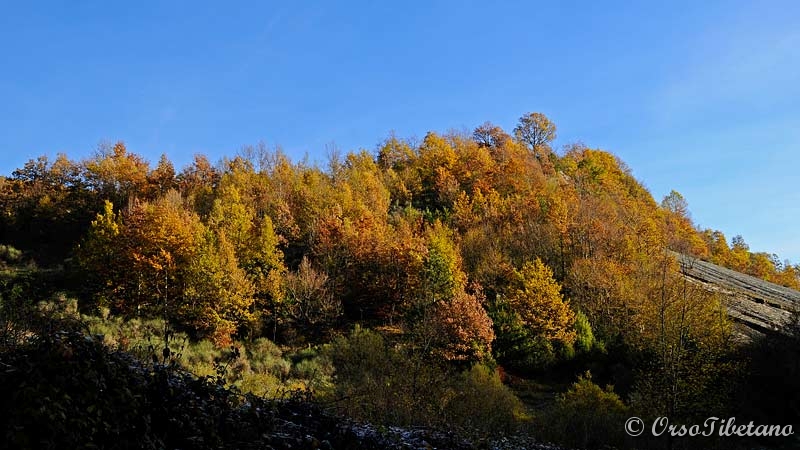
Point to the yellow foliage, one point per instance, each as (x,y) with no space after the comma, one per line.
(536,298)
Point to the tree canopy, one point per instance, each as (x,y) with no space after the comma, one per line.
(461,236)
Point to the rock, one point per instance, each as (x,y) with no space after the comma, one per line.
(757,306)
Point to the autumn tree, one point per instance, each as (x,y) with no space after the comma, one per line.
(459,327)
(739,258)
(475,167)
(45,208)
(434,166)
(311,302)
(789,275)
(447,318)
(197,182)
(717,244)
(116,174)
(682,237)
(686,334)
(490,135)
(533,323)
(442,269)
(536,131)
(218,300)
(142,255)
(158,241)
(255,245)
(158,259)
(162,178)
(536,297)
(98,255)
(360,189)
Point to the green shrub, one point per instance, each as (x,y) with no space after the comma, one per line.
(586,416)
(201,353)
(317,372)
(483,403)
(261,384)
(303,354)
(388,385)
(9,254)
(564,351)
(367,382)
(256,367)
(536,354)
(266,357)
(145,339)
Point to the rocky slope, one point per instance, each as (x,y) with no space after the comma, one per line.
(755,305)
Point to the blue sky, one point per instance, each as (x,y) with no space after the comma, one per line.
(701,97)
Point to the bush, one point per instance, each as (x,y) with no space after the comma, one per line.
(535,355)
(368,381)
(586,416)
(317,371)
(393,386)
(257,367)
(200,357)
(267,358)
(261,384)
(145,339)
(60,307)
(9,254)
(484,403)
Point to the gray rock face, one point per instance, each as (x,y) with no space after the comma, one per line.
(755,305)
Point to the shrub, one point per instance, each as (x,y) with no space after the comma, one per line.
(586,416)
(367,382)
(200,353)
(267,358)
(261,384)
(145,339)
(317,372)
(393,386)
(535,354)
(60,306)
(257,367)
(483,403)
(9,254)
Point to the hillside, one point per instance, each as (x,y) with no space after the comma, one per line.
(408,286)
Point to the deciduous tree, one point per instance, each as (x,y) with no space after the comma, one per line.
(536,131)
(536,297)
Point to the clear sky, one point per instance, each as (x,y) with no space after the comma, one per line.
(702,97)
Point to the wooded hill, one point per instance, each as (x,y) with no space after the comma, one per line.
(461,248)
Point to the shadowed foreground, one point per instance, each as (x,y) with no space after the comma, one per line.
(67,390)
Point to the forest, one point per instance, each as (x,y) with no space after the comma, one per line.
(481,282)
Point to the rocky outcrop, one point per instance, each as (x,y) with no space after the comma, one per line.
(757,306)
